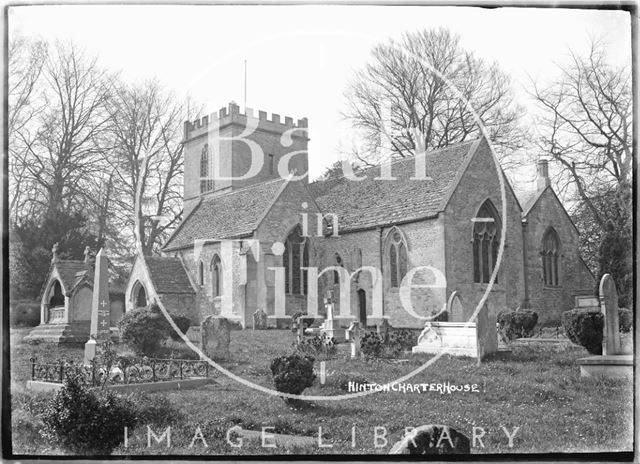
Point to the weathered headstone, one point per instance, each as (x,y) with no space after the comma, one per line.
(383,329)
(609,307)
(100,307)
(433,439)
(216,336)
(454,308)
(259,320)
(354,333)
(486,333)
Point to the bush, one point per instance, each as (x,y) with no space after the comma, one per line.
(144,329)
(372,345)
(518,324)
(584,328)
(401,340)
(24,313)
(183,323)
(87,422)
(625,320)
(318,345)
(292,374)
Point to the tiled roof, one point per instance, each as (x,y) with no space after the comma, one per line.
(68,270)
(230,215)
(370,203)
(168,275)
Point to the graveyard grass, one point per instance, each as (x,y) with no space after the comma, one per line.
(538,390)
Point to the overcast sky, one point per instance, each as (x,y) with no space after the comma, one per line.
(301,58)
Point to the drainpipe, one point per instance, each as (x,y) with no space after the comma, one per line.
(381,254)
(525,303)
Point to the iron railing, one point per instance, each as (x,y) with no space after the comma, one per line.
(123,371)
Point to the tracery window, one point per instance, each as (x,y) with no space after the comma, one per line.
(295,257)
(486,242)
(397,250)
(550,257)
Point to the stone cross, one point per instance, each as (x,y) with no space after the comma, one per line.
(87,254)
(486,333)
(54,253)
(609,307)
(100,306)
(354,333)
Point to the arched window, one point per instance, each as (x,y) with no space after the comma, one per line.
(295,257)
(206,183)
(200,273)
(486,241)
(550,254)
(57,298)
(216,276)
(141,297)
(397,250)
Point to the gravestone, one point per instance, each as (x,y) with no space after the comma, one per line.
(433,439)
(216,336)
(454,308)
(354,333)
(100,307)
(259,320)
(486,333)
(609,307)
(383,330)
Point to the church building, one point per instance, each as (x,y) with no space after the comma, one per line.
(253,233)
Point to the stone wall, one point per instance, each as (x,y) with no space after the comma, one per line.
(480,182)
(574,276)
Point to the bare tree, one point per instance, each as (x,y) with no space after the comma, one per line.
(406,97)
(26,60)
(64,144)
(585,125)
(147,160)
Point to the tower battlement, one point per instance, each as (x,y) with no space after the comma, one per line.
(232,115)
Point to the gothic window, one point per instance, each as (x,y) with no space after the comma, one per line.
(486,241)
(57,299)
(141,297)
(200,273)
(206,183)
(550,254)
(397,250)
(295,257)
(216,276)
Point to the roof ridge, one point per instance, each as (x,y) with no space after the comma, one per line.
(401,160)
(246,187)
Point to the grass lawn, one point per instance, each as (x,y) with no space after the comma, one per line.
(533,388)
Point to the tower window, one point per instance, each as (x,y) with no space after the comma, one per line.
(206,182)
(550,256)
(486,241)
(271,163)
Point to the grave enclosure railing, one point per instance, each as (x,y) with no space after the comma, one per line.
(123,371)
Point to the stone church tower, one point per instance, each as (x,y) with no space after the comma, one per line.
(225,146)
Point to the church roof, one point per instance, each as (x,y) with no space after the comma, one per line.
(168,275)
(68,270)
(372,203)
(230,215)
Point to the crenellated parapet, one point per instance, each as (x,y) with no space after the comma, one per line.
(232,115)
